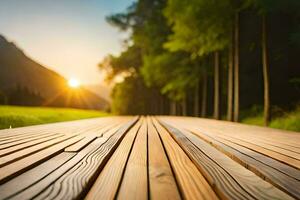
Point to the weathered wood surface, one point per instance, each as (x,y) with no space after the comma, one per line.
(149,158)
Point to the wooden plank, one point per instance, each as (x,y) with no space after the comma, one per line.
(191,182)
(247,179)
(273,145)
(74,183)
(107,183)
(23,152)
(283,168)
(134,184)
(7,134)
(237,129)
(21,165)
(108,130)
(275,136)
(93,134)
(13,149)
(72,127)
(278,156)
(281,180)
(40,185)
(112,130)
(23,141)
(221,130)
(5,160)
(23,131)
(231,179)
(25,180)
(81,144)
(32,131)
(18,140)
(279,166)
(162,184)
(118,122)
(148,163)
(33,134)
(278,148)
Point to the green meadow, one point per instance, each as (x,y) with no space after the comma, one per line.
(16,116)
(287,120)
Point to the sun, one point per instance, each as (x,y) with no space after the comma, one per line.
(73,83)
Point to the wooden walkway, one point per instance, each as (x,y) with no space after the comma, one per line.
(149,158)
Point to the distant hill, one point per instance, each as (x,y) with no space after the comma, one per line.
(101,90)
(25,82)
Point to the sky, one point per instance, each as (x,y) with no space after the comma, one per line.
(68,36)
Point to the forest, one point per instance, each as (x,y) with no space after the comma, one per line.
(208,58)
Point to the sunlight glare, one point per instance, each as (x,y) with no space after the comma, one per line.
(73,83)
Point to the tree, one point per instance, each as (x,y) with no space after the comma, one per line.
(174,46)
(217,85)
(230,81)
(265,7)
(236,68)
(145,21)
(126,64)
(201,28)
(267,114)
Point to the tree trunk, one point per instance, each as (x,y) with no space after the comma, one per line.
(236,69)
(230,82)
(204,94)
(161,109)
(267,116)
(183,106)
(172,107)
(217,86)
(177,111)
(166,106)
(196,99)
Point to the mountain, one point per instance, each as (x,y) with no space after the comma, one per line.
(25,82)
(101,90)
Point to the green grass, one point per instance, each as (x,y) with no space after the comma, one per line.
(15,116)
(288,121)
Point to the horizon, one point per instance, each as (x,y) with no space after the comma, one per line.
(69,37)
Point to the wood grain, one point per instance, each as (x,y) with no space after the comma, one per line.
(281,180)
(77,180)
(21,165)
(107,183)
(162,184)
(31,150)
(233,132)
(134,184)
(39,186)
(149,158)
(90,135)
(31,143)
(192,183)
(231,180)
(279,166)
(27,179)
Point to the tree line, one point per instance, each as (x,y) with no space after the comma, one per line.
(206,57)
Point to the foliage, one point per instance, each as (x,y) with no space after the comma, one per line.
(171,45)
(288,121)
(127,98)
(199,26)
(16,116)
(127,62)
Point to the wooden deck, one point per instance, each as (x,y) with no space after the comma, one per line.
(149,158)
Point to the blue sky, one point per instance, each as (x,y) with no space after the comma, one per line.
(68,36)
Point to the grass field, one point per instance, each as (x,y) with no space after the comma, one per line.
(288,121)
(15,116)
